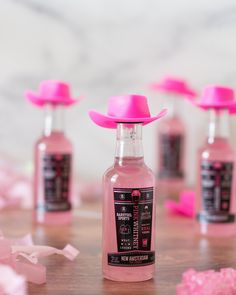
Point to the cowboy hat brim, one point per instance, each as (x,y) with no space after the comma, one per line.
(39,101)
(230,105)
(107,121)
(165,88)
(232,110)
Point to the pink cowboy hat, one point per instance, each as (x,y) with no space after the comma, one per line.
(125,109)
(173,85)
(217,97)
(50,91)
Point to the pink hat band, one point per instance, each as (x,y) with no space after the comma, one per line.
(217,97)
(173,85)
(54,92)
(125,109)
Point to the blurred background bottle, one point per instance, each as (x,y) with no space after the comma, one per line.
(215,204)
(171,138)
(53,154)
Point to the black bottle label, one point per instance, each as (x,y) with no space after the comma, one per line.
(133,216)
(56,174)
(216,184)
(170,156)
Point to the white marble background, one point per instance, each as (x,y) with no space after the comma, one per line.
(103,48)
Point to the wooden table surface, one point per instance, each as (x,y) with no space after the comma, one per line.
(179,247)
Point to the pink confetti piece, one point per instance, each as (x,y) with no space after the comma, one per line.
(22,255)
(34,273)
(185,206)
(208,282)
(25,240)
(32,253)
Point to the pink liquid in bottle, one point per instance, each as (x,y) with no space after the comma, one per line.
(53,172)
(171,154)
(216,205)
(129,211)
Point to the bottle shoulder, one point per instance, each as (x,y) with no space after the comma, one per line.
(54,143)
(130,176)
(222,151)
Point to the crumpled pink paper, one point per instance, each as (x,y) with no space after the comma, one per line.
(15,186)
(208,282)
(23,256)
(185,206)
(10,282)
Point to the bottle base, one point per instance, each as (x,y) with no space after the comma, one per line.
(126,279)
(170,188)
(217,230)
(55,218)
(123,274)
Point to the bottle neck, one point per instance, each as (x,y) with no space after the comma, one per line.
(129,145)
(218,126)
(53,119)
(173,105)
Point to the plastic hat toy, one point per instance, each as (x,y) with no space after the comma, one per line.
(51,91)
(216,97)
(125,109)
(173,85)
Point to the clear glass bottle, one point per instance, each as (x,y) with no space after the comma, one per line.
(129,211)
(53,170)
(216,205)
(171,151)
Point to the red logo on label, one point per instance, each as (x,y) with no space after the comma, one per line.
(217,165)
(136,194)
(144,242)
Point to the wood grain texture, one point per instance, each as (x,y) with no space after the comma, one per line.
(179,247)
